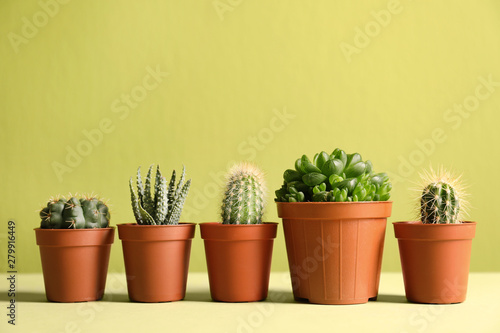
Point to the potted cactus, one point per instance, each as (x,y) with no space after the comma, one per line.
(334,212)
(239,250)
(74,240)
(435,251)
(156,249)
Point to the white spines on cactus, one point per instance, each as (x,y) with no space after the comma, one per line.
(161,198)
(176,210)
(441,198)
(147,202)
(244,197)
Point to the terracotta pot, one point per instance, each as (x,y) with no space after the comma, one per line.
(74,262)
(435,260)
(156,260)
(335,249)
(238,260)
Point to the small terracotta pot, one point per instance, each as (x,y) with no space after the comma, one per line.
(335,249)
(156,260)
(435,260)
(74,262)
(238,260)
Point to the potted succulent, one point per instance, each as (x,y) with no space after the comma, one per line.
(239,250)
(156,249)
(334,212)
(435,251)
(75,240)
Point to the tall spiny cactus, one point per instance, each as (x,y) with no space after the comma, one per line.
(441,200)
(243,201)
(165,206)
(87,212)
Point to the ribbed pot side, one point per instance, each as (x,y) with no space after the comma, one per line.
(335,249)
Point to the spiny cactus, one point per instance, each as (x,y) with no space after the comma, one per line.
(165,206)
(333,177)
(439,204)
(74,213)
(243,201)
(440,199)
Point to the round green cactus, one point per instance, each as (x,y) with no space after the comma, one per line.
(243,201)
(335,177)
(74,213)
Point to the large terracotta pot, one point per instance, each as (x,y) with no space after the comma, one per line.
(74,262)
(335,249)
(156,260)
(238,260)
(435,260)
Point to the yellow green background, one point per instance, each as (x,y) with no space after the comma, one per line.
(382,78)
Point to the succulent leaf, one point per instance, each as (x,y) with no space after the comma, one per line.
(313,178)
(171,191)
(352,159)
(161,198)
(355,170)
(321,158)
(332,167)
(291,175)
(148,203)
(307,166)
(135,202)
(175,214)
(298,166)
(341,155)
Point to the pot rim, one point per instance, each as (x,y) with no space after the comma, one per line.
(130,232)
(72,230)
(74,237)
(135,225)
(216,231)
(418,231)
(333,202)
(419,224)
(334,210)
(238,225)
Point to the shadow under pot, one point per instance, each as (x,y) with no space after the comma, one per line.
(238,260)
(156,260)
(74,262)
(435,260)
